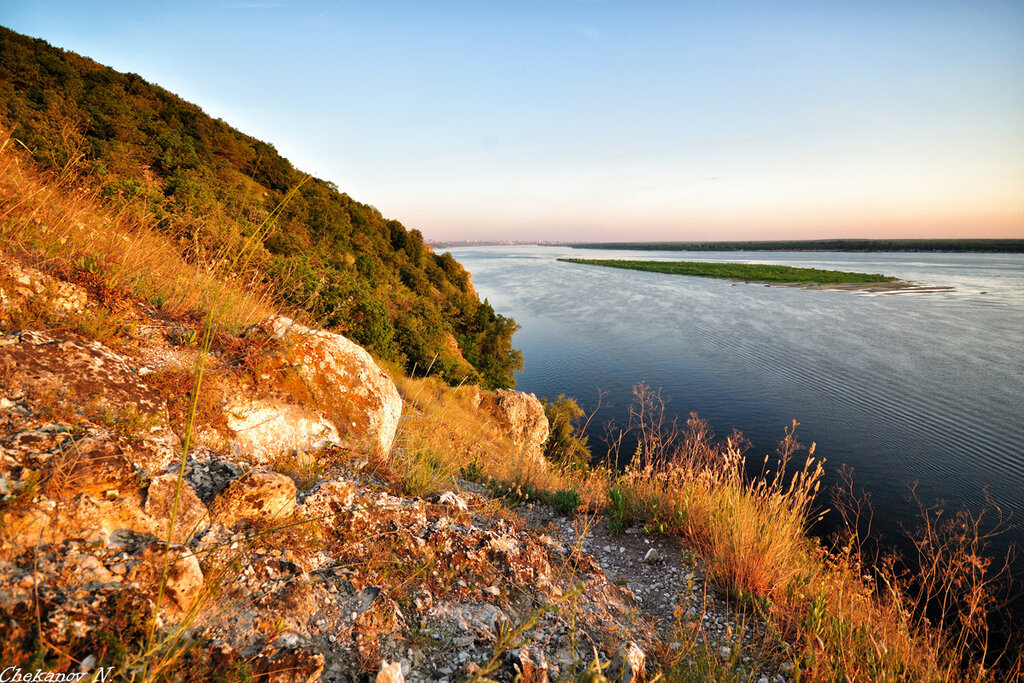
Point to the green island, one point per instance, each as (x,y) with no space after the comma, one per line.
(751,272)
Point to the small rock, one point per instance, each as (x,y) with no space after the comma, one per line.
(422,599)
(96,537)
(258,496)
(449,498)
(210,476)
(629,664)
(183,580)
(87,664)
(725,653)
(473,618)
(531,666)
(287,665)
(167,497)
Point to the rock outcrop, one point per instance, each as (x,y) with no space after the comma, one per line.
(23,287)
(287,568)
(340,379)
(74,376)
(524,420)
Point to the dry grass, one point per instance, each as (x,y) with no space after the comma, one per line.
(444,435)
(845,620)
(56,223)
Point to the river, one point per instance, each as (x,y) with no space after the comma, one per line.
(911,387)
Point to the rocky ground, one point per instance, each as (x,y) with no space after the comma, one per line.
(278,548)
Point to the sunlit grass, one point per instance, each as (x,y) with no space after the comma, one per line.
(846,620)
(58,224)
(445,435)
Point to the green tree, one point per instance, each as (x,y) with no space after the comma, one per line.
(566,442)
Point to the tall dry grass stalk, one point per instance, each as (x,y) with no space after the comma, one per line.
(753,531)
(161,653)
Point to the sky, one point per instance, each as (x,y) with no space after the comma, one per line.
(606,119)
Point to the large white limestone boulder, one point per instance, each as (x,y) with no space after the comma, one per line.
(337,377)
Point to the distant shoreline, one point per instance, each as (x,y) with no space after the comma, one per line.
(990,246)
(1008,246)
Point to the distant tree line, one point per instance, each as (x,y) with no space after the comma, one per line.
(1015,246)
(352,269)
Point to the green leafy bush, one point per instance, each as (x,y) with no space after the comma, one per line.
(566,443)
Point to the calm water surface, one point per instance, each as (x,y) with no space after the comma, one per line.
(902,387)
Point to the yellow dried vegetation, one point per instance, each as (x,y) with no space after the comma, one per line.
(57,223)
(845,618)
(445,434)
(832,613)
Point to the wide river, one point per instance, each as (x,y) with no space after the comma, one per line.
(911,387)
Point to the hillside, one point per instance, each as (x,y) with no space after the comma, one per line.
(340,261)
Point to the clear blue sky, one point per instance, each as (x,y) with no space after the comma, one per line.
(593,119)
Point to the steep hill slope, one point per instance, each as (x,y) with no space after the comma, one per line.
(341,261)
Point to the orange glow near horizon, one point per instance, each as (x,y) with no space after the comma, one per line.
(753,225)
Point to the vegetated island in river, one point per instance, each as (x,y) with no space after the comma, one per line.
(763,272)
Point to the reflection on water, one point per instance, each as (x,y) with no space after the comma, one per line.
(915,387)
